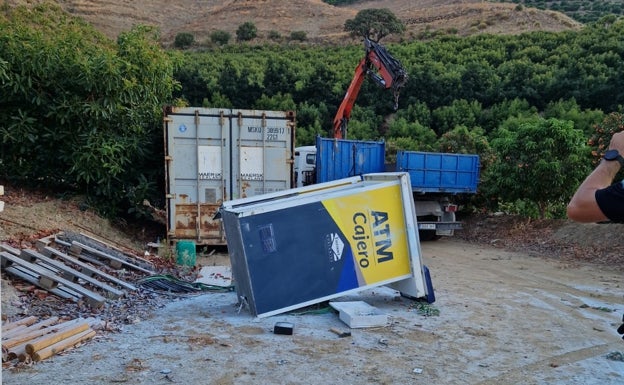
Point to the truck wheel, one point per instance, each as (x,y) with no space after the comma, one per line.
(428,235)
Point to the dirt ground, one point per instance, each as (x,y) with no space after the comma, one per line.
(517,302)
(321,22)
(504,318)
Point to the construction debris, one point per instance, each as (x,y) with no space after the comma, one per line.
(170,284)
(359,314)
(78,278)
(340,333)
(31,340)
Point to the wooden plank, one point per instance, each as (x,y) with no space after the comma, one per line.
(33,331)
(33,278)
(9,249)
(69,273)
(15,331)
(52,338)
(115,262)
(26,321)
(144,263)
(64,344)
(93,299)
(78,249)
(45,242)
(85,268)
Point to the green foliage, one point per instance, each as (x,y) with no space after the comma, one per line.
(274,35)
(298,36)
(363,124)
(220,37)
(374,23)
(569,110)
(246,31)
(460,112)
(184,40)
(424,136)
(395,144)
(309,123)
(462,140)
(601,136)
(539,160)
(82,113)
(276,102)
(585,11)
(603,131)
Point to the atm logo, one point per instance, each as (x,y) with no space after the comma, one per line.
(335,246)
(371,234)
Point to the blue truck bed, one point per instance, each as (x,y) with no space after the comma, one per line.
(440,172)
(342,158)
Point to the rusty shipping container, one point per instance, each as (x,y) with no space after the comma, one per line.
(214,155)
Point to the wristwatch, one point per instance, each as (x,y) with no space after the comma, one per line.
(614,155)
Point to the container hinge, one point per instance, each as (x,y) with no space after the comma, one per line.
(170,196)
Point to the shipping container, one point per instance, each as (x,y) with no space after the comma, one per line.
(310,244)
(432,172)
(213,155)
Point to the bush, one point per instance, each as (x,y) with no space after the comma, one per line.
(220,37)
(184,40)
(299,35)
(246,31)
(274,35)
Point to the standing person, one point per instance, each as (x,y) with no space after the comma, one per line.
(598,198)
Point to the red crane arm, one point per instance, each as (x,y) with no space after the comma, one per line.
(344,111)
(385,70)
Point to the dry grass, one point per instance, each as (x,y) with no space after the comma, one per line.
(321,22)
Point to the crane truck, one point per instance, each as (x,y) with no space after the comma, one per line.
(436,178)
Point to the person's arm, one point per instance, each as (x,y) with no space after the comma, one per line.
(583,206)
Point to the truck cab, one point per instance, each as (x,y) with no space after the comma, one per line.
(305,166)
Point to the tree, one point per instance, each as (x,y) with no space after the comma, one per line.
(599,140)
(184,40)
(274,35)
(374,23)
(82,114)
(539,160)
(298,35)
(220,37)
(246,31)
(309,123)
(424,136)
(460,112)
(611,124)
(278,102)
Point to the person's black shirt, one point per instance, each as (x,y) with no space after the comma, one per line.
(611,201)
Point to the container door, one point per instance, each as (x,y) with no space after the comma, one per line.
(197,171)
(262,154)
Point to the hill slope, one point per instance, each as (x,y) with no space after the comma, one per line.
(323,23)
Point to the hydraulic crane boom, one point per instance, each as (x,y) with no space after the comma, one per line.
(380,66)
